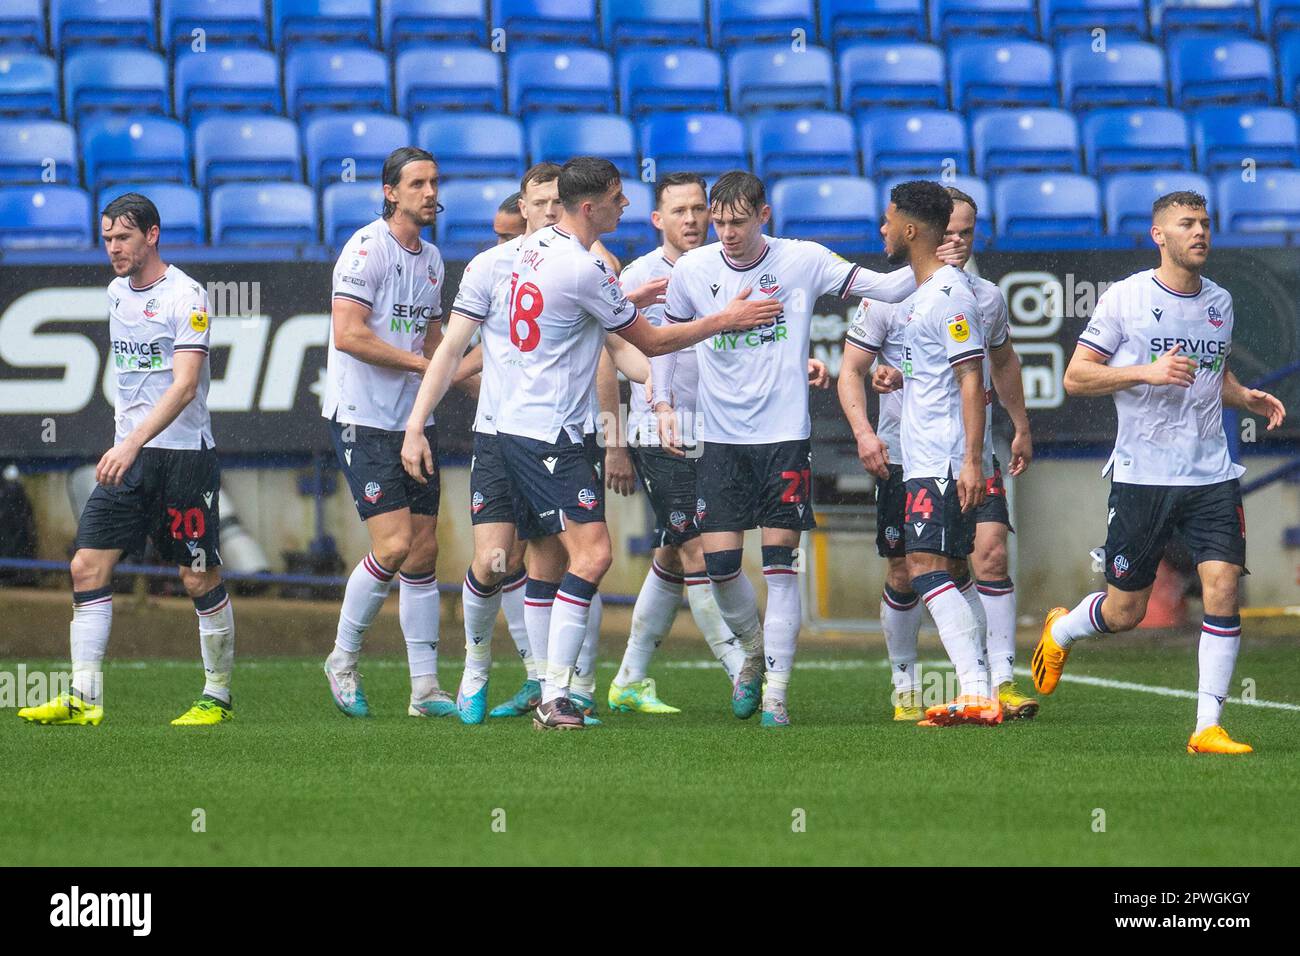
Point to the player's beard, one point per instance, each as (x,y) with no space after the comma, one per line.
(1183,258)
(900,256)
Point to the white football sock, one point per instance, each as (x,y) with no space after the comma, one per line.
(704,608)
(368,586)
(900,619)
(92,619)
(738,605)
(782,620)
(480,605)
(1220,641)
(967,588)
(1085,620)
(568,632)
(652,618)
(512,603)
(775,685)
(584,674)
(999,599)
(958,629)
(539,603)
(419,610)
(216,641)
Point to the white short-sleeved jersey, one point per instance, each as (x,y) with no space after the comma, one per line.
(1167,435)
(402,288)
(563,300)
(996,324)
(753,386)
(642,425)
(877,328)
(942,330)
(148,327)
(484,296)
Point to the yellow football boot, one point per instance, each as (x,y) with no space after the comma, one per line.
(1048,660)
(1015,705)
(1215,740)
(206,710)
(907,706)
(64,709)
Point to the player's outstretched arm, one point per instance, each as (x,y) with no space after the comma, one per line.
(1236,395)
(741,314)
(353,337)
(1004,368)
(187,366)
(1088,375)
(970,483)
(852,390)
(417,457)
(628,359)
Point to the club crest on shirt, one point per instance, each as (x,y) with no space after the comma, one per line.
(150,308)
(958,327)
(433,276)
(767,284)
(1215,317)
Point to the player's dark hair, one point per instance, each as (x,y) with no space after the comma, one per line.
(926,202)
(1183,197)
(539,174)
(959,196)
(393,166)
(510,204)
(739,191)
(679,179)
(135,210)
(586,177)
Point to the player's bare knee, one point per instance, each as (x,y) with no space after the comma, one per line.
(488,571)
(392,553)
(671,559)
(1219,592)
(199,583)
(1126,612)
(990,561)
(897,577)
(89,574)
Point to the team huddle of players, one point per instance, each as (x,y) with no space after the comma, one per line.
(715,339)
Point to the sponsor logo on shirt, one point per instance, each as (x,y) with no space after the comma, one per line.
(763,335)
(131,356)
(1207,353)
(959,327)
(354,280)
(199,320)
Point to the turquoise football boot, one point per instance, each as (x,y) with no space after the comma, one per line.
(523,703)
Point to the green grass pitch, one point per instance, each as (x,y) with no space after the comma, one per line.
(292,781)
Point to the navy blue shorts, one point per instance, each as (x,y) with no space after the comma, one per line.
(170,495)
(994,506)
(891,495)
(372,465)
(934,519)
(738,487)
(491,495)
(669,483)
(554,483)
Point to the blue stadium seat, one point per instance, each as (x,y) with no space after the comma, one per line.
(749,21)
(548,21)
(26,146)
(838,211)
(324,78)
(674,78)
(364,139)
(44,217)
(1046,204)
(560,78)
(448,78)
(704,143)
(801,143)
(635,234)
(347,207)
(843,20)
(408,23)
(560,138)
(1210,69)
(179,207)
(469,205)
(633,22)
(119,79)
(892,74)
(1038,140)
(1128,73)
(1171,17)
(1001,73)
(772,76)
(1119,18)
(120,149)
(1270,204)
(263,214)
(474,144)
(234,22)
(22,25)
(1225,136)
(1288,54)
(977,189)
(246,147)
(1278,16)
(29,85)
(1129,197)
(76,22)
(949,18)
(323,21)
(914,142)
(1118,140)
(225,81)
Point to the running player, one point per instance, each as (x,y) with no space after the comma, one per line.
(386,304)
(1159,342)
(160,479)
(756,467)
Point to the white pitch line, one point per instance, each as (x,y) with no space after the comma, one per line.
(1160,691)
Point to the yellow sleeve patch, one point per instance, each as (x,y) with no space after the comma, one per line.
(959,328)
(199,321)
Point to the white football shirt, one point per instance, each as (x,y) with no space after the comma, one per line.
(942,330)
(148,326)
(563,299)
(484,296)
(753,385)
(1167,435)
(674,378)
(876,329)
(402,288)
